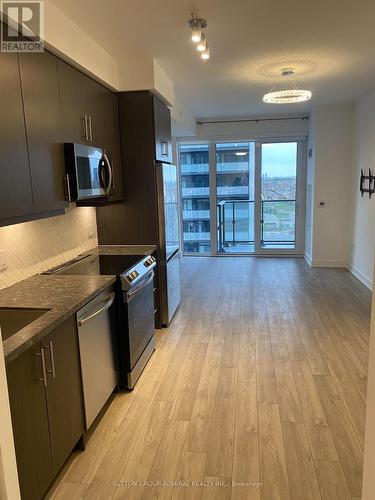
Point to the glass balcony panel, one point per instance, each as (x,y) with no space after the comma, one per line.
(195,191)
(201,168)
(279,224)
(236,226)
(195,214)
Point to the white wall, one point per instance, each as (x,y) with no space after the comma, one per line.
(33,247)
(330,180)
(75,45)
(309,218)
(362,252)
(252,130)
(183,122)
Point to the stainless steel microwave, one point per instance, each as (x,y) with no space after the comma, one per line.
(89,172)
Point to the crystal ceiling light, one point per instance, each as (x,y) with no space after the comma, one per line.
(287,96)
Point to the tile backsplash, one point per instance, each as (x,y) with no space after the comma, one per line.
(33,247)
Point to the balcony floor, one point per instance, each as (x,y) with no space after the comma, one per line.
(240,248)
(250,248)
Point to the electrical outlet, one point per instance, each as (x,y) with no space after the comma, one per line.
(91,233)
(3,260)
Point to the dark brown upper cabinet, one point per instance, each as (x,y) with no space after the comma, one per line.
(109,131)
(41,101)
(16,198)
(46,408)
(163,135)
(80,106)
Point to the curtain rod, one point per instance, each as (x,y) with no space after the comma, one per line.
(255,120)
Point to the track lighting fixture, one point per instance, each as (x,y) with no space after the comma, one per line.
(198,35)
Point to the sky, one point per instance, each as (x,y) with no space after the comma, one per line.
(279,160)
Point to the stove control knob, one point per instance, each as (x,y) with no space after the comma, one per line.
(149,261)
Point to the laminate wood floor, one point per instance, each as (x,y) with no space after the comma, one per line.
(256,391)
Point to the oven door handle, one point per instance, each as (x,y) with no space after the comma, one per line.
(131,293)
(110,173)
(106,306)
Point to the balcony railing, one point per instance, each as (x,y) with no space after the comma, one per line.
(195,214)
(189,192)
(232,190)
(225,167)
(194,168)
(278,218)
(196,236)
(235,166)
(236,224)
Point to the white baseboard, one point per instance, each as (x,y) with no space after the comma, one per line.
(329,263)
(360,276)
(342,264)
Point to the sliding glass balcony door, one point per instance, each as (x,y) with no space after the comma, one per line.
(278,197)
(243,197)
(235,180)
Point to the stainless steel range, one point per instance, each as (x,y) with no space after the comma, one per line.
(134,306)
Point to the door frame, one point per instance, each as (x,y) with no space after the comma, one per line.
(300,194)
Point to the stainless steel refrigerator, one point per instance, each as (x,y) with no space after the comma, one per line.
(168,234)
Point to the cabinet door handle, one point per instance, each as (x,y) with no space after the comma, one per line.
(164,148)
(90,128)
(44,371)
(85,130)
(52,357)
(69,195)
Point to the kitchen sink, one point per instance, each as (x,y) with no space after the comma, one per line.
(13,320)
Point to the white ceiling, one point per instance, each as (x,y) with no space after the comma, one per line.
(330,44)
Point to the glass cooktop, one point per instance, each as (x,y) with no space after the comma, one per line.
(100,264)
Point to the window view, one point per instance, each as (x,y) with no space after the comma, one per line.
(194,166)
(235,165)
(278,197)
(251,217)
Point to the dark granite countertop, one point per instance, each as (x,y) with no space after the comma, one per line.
(122,250)
(63,295)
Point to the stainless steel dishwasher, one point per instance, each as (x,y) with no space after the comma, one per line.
(97,351)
